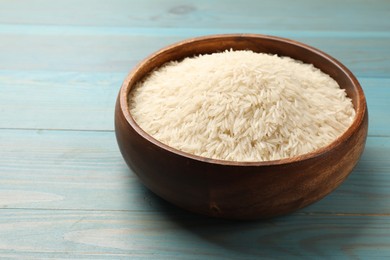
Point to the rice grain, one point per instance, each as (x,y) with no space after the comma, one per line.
(241,106)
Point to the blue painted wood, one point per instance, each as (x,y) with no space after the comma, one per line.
(366,57)
(58,100)
(85,171)
(331,15)
(66,192)
(180,235)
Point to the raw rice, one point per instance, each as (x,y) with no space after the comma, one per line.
(241,106)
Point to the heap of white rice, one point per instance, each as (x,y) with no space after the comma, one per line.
(241,106)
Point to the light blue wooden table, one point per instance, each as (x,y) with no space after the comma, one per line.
(65,191)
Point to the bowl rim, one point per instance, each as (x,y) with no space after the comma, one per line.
(360,108)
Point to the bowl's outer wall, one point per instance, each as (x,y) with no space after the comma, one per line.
(241,191)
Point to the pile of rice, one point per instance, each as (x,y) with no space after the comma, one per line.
(241,106)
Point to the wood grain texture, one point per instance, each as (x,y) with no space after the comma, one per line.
(234,15)
(79,52)
(86,170)
(68,194)
(179,235)
(241,190)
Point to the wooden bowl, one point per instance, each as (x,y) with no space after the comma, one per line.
(241,190)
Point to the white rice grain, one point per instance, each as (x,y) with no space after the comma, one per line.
(241,106)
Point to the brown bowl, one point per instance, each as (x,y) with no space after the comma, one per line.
(241,190)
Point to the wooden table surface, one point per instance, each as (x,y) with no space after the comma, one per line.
(65,191)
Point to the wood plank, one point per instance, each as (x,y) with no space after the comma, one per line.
(84,170)
(52,100)
(75,234)
(366,57)
(86,101)
(247,14)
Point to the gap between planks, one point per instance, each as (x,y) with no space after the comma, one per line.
(56,129)
(183,212)
(182,32)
